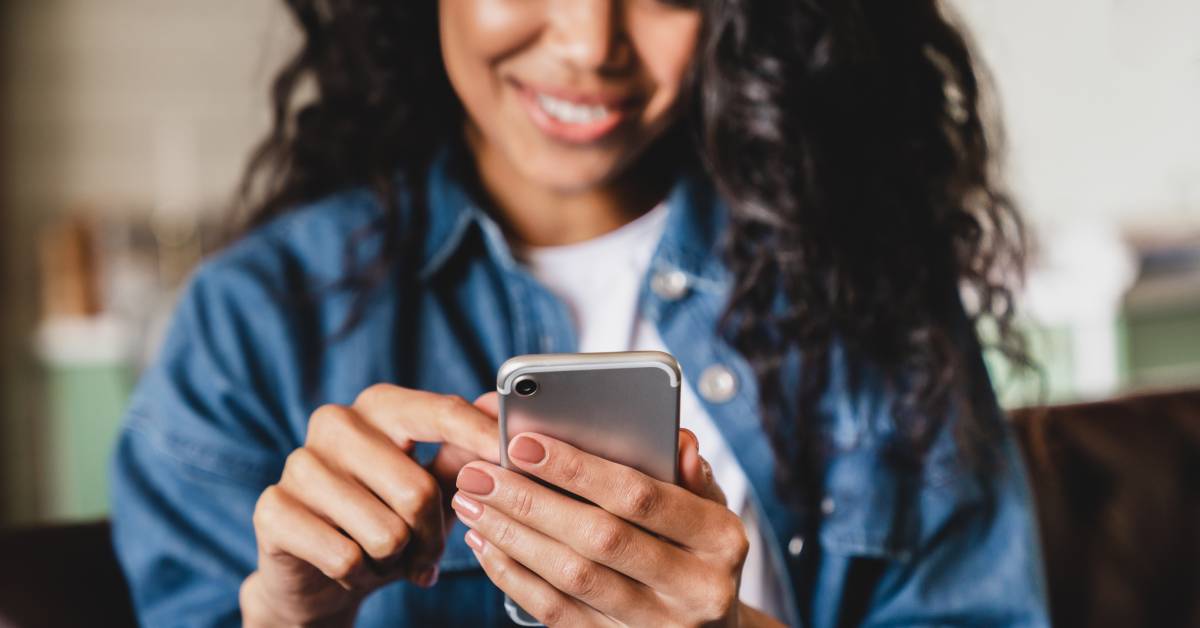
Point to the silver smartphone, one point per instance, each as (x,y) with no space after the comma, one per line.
(620,406)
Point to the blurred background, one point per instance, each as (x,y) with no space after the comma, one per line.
(124,126)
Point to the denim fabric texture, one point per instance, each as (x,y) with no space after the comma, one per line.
(253,349)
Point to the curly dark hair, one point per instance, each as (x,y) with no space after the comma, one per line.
(844,135)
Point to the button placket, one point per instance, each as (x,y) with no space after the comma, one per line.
(726,386)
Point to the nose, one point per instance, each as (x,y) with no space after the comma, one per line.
(587,33)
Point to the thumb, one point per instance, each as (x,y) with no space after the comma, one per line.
(450,459)
(695,474)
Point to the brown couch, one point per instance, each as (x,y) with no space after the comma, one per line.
(61,576)
(1118,494)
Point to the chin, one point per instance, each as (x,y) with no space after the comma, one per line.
(571,175)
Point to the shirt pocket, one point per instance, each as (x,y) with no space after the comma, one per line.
(869,508)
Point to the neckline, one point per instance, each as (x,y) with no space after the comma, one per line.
(649,225)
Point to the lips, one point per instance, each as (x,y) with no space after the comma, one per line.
(574,117)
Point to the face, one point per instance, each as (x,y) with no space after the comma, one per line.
(568,93)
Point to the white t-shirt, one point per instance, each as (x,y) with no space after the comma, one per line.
(599,280)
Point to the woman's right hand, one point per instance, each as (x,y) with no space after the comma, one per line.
(354,511)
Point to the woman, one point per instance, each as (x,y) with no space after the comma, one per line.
(786,196)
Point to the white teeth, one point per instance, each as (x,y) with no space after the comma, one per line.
(569,112)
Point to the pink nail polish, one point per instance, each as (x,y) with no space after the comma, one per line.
(526,449)
(473,480)
(466,506)
(474,540)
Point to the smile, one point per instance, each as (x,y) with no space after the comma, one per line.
(571,113)
(572,118)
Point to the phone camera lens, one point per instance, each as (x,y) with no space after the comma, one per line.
(526,387)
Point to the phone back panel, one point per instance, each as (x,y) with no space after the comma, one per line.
(620,406)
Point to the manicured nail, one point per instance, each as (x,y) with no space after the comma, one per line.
(474,540)
(473,480)
(526,449)
(466,506)
(429,577)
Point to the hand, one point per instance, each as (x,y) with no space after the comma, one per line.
(353,510)
(643,552)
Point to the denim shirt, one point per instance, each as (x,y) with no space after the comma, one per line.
(251,352)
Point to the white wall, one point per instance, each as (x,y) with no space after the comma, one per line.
(101,95)
(1102,104)
(113,106)
(1101,100)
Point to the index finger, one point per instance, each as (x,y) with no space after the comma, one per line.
(660,507)
(408,415)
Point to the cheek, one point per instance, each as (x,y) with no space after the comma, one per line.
(491,27)
(476,35)
(666,46)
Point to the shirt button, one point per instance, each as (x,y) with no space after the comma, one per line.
(718,384)
(669,284)
(796,545)
(828,506)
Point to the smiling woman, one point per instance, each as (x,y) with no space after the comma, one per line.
(562,99)
(785,197)
(573,111)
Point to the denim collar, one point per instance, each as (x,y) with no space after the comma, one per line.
(690,243)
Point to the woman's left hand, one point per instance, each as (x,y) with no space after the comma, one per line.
(647,553)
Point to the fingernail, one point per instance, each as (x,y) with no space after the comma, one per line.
(474,540)
(526,449)
(429,577)
(466,506)
(473,480)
